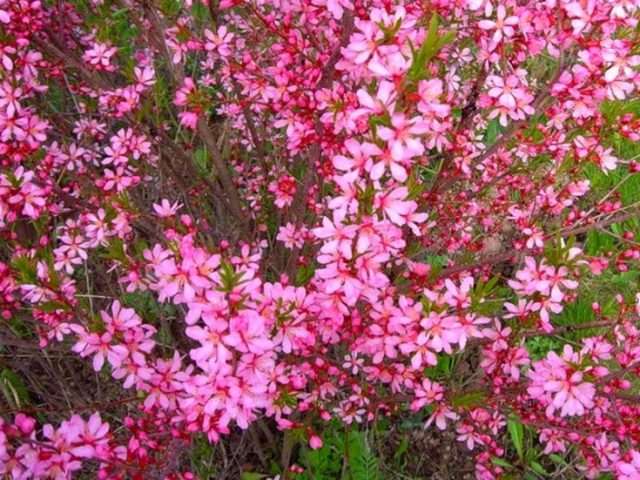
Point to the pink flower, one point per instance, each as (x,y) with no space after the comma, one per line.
(359,156)
(93,438)
(165,209)
(336,7)
(219,41)
(522,310)
(189,119)
(630,468)
(556,383)
(145,77)
(183,94)
(503,25)
(394,205)
(291,237)
(5,16)
(100,347)
(383,102)
(468,435)
(363,43)
(427,394)
(507,90)
(608,451)
(458,297)
(441,332)
(430,92)
(606,160)
(441,414)
(10,99)
(341,237)
(386,161)
(120,319)
(400,137)
(99,56)
(582,14)
(284,189)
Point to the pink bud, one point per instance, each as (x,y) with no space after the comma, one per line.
(421,269)
(315,442)
(24,423)
(597,265)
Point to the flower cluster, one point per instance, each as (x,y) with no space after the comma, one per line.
(321,210)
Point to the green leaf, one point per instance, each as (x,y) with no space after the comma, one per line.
(469,400)
(402,449)
(14,389)
(516,431)
(442,369)
(429,49)
(304,274)
(432,34)
(500,462)
(539,469)
(119,12)
(115,250)
(228,277)
(52,307)
(363,463)
(557,459)
(26,269)
(252,476)
(201,157)
(492,132)
(389,33)
(378,120)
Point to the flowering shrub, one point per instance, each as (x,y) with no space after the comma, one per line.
(286,213)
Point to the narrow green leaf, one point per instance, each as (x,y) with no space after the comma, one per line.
(557,459)
(470,400)
(402,449)
(14,389)
(52,307)
(500,462)
(252,476)
(516,431)
(539,469)
(432,34)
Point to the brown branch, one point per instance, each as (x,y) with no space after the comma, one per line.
(515,255)
(222,170)
(541,96)
(94,406)
(605,223)
(569,329)
(253,131)
(298,209)
(213,12)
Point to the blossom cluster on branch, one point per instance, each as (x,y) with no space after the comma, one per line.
(331,198)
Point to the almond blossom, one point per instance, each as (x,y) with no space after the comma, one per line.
(247,218)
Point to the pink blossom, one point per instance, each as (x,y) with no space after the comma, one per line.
(556,384)
(99,55)
(401,137)
(503,25)
(166,209)
(219,41)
